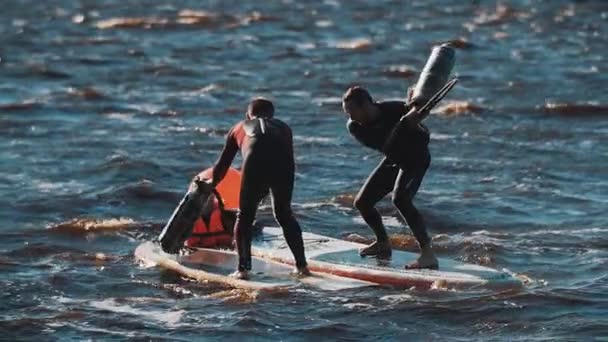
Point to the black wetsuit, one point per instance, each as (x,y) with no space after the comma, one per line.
(268,165)
(402,172)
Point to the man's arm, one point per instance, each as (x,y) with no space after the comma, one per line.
(415,116)
(223,163)
(419,113)
(363,135)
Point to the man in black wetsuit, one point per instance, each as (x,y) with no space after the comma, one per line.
(371,123)
(266,145)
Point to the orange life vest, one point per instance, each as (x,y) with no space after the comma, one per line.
(212,235)
(219,231)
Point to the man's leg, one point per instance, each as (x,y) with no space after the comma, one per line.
(378,184)
(281,190)
(406,187)
(253,190)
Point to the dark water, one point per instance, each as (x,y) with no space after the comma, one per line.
(104,121)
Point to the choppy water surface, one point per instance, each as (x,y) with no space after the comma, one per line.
(107,108)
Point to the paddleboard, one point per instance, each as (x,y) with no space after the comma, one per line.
(339,257)
(215,265)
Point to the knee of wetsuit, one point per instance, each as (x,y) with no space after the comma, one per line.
(361,204)
(283,214)
(402,200)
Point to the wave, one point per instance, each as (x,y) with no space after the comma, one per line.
(44,251)
(456,108)
(64,41)
(501,14)
(458,43)
(92,224)
(7,262)
(357,44)
(566,232)
(313,139)
(450,108)
(201,18)
(181,287)
(143,189)
(46,72)
(345,200)
(168,70)
(86,93)
(121,161)
(400,71)
(123,227)
(133,22)
(20,106)
(573,109)
(331,101)
(124,117)
(441,136)
(186,18)
(123,306)
(71,187)
(210,131)
(169,317)
(240,296)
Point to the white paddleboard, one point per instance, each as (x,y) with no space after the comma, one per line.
(214,265)
(339,257)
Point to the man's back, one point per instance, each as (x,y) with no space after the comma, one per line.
(264,137)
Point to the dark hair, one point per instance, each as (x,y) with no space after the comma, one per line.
(261,108)
(357,95)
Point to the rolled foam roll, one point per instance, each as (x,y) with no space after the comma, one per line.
(434,75)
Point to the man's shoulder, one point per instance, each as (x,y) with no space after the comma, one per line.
(237,126)
(392,105)
(280,123)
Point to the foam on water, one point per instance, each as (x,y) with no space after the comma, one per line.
(170,318)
